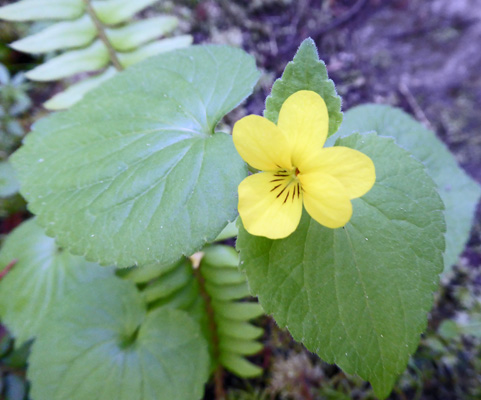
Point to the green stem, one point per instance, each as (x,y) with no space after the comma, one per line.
(103,36)
(130,340)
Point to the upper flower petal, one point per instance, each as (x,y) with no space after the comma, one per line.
(326,200)
(269,205)
(352,168)
(305,121)
(262,144)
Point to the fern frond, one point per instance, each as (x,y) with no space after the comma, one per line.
(86,49)
(76,92)
(225,285)
(168,283)
(172,286)
(212,293)
(37,10)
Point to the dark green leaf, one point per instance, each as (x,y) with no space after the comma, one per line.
(135,174)
(41,276)
(305,72)
(358,296)
(100,344)
(459,192)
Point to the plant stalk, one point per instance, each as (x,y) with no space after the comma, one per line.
(219,391)
(103,36)
(7,269)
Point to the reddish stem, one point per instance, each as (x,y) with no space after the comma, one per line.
(7,269)
(219,390)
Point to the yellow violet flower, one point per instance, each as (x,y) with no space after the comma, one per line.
(297,169)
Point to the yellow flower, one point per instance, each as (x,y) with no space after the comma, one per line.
(297,170)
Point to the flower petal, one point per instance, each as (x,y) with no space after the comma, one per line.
(304,120)
(261,144)
(325,199)
(269,206)
(352,168)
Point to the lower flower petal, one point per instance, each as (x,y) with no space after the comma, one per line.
(353,169)
(270,205)
(326,200)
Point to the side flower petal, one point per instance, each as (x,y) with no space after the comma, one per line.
(352,168)
(305,121)
(261,144)
(325,199)
(270,205)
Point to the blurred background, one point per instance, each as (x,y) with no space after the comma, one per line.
(422,56)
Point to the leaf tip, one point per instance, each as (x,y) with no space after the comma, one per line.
(382,388)
(307,46)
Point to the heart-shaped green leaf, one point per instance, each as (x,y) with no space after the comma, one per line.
(8,180)
(40,277)
(135,174)
(100,344)
(305,72)
(358,296)
(459,192)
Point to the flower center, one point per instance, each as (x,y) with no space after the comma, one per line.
(286,185)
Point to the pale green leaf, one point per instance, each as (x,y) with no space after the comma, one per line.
(62,35)
(9,184)
(169,282)
(240,347)
(145,273)
(4,75)
(154,48)
(238,311)
(220,256)
(139,32)
(223,276)
(459,192)
(238,329)
(305,72)
(228,292)
(34,10)
(230,231)
(358,296)
(42,275)
(73,62)
(100,344)
(239,365)
(134,173)
(171,286)
(184,299)
(76,92)
(112,12)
